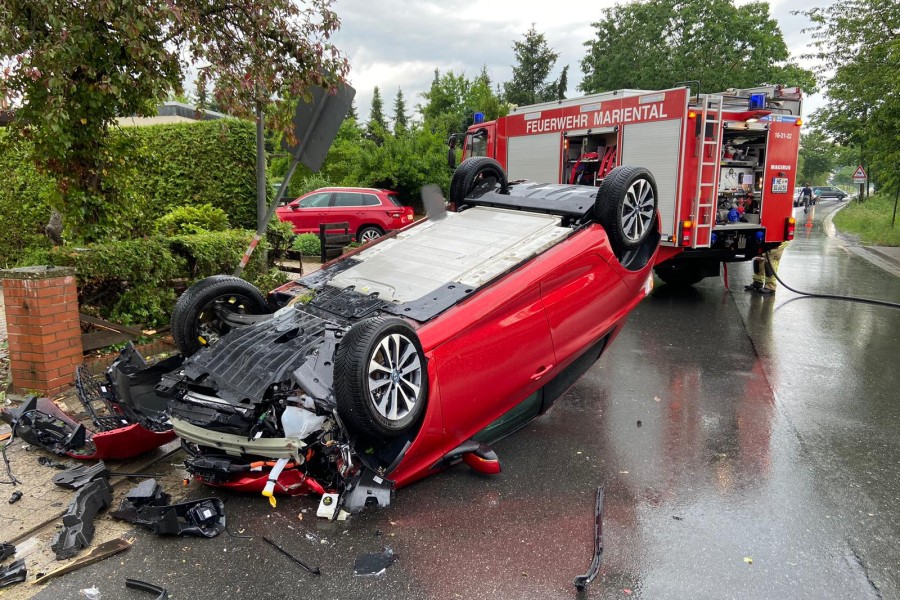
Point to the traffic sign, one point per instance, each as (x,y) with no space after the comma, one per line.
(860,174)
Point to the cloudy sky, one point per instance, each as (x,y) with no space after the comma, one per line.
(398,43)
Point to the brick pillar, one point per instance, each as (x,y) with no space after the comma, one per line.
(43,326)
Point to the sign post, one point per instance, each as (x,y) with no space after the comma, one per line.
(860,177)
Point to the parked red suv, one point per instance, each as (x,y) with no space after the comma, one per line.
(370,212)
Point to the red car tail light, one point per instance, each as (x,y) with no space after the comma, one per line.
(789,226)
(687,232)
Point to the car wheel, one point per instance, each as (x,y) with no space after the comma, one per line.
(380,377)
(626,206)
(680,274)
(367,234)
(196,322)
(471,173)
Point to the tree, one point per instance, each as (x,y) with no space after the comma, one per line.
(453,99)
(70,68)
(377,126)
(817,156)
(857,44)
(658,43)
(401,119)
(535,60)
(562,84)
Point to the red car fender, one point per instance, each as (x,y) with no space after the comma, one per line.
(125,442)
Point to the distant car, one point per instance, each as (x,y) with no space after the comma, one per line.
(369,212)
(829,191)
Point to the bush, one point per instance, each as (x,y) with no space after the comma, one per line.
(186,220)
(132,281)
(308,244)
(25,197)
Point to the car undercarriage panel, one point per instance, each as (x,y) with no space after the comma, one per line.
(469,249)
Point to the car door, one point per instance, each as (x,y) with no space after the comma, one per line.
(348,207)
(583,297)
(306,213)
(498,360)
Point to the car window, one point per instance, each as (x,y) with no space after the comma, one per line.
(370,199)
(348,199)
(394,200)
(316,200)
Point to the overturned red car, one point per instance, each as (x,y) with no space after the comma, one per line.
(419,350)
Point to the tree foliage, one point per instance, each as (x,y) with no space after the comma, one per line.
(377,125)
(858,48)
(657,43)
(817,157)
(401,119)
(452,100)
(534,61)
(70,68)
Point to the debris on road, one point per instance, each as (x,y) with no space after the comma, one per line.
(49,462)
(374,563)
(134,584)
(582,581)
(14,573)
(101,552)
(78,522)
(313,570)
(78,477)
(16,496)
(91,593)
(148,505)
(6,550)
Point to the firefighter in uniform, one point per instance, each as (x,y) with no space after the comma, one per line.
(764,281)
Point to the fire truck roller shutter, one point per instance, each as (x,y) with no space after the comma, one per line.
(534,157)
(657,146)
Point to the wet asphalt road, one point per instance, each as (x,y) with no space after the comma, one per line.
(725,427)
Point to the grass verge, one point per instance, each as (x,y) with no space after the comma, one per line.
(871,221)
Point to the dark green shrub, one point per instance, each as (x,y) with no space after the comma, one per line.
(218,252)
(186,220)
(308,244)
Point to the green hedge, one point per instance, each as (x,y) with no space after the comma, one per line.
(24,203)
(133,281)
(156,169)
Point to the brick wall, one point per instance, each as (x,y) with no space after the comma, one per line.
(44,331)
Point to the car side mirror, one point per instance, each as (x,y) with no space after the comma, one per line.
(294,206)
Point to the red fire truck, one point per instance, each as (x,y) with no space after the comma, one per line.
(725,164)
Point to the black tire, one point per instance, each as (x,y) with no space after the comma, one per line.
(368,233)
(473,171)
(357,403)
(194,320)
(626,206)
(680,274)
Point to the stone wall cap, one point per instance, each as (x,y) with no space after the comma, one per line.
(36,272)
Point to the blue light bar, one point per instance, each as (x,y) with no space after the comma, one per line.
(757,102)
(479,117)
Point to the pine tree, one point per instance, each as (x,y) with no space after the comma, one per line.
(352,113)
(377,125)
(401,120)
(535,60)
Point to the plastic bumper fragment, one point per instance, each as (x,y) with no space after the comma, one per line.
(146,505)
(78,477)
(14,573)
(582,581)
(78,522)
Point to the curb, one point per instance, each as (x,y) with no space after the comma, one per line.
(851,242)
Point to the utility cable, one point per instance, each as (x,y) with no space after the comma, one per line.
(830,296)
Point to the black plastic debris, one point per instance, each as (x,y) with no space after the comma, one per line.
(35,423)
(78,522)
(374,564)
(14,573)
(49,462)
(147,505)
(16,496)
(78,477)
(135,584)
(582,581)
(313,570)
(6,550)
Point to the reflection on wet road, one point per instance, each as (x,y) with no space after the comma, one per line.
(748,447)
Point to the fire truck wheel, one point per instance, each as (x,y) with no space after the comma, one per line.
(626,206)
(196,320)
(679,273)
(471,173)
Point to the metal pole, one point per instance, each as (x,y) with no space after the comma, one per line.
(896,197)
(260,169)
